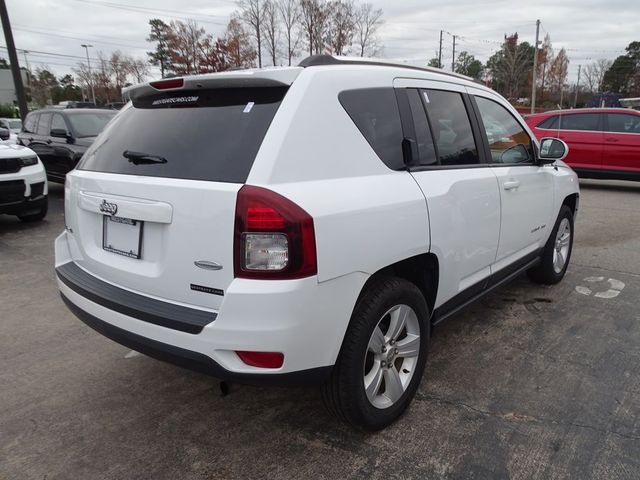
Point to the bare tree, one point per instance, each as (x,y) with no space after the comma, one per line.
(185,45)
(290,16)
(271,28)
(558,71)
(367,22)
(341,25)
(594,74)
(241,52)
(119,69)
(138,69)
(252,13)
(314,16)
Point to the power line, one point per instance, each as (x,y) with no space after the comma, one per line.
(154,11)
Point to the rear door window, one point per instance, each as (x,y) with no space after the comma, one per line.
(623,123)
(375,112)
(451,128)
(30,123)
(426,148)
(200,135)
(43,124)
(549,123)
(580,121)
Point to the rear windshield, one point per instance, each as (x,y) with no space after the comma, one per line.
(90,124)
(199,135)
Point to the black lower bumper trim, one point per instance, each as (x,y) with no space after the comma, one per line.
(147,309)
(193,360)
(25,206)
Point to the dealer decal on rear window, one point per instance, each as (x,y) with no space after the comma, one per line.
(164,101)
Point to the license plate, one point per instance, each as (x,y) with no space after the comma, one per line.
(122,236)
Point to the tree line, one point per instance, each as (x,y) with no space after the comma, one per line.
(266,32)
(509,71)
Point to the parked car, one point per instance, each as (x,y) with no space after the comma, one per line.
(5,134)
(14,125)
(23,184)
(603,142)
(309,224)
(60,137)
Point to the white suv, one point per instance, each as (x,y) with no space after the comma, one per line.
(309,224)
(23,183)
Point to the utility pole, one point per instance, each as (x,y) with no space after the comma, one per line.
(453,59)
(93,93)
(535,67)
(13,59)
(440,52)
(575,99)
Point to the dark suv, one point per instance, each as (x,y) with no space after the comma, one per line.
(60,137)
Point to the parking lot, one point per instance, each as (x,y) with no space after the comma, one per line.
(532,382)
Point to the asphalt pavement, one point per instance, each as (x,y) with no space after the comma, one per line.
(530,383)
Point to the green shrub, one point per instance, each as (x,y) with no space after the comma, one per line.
(7,110)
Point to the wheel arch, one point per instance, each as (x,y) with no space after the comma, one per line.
(422,270)
(572,201)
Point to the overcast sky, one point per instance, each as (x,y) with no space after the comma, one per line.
(588,29)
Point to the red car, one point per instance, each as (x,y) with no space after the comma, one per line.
(603,142)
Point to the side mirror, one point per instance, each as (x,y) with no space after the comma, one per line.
(59,133)
(552,150)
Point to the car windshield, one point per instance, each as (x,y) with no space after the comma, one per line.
(15,123)
(90,124)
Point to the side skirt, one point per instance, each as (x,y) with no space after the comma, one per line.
(486,286)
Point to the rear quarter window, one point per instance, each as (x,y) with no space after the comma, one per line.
(209,135)
(375,112)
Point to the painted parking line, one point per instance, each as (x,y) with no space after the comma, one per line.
(614,285)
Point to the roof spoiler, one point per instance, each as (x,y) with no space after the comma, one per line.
(277,77)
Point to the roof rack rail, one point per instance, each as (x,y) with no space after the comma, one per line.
(321,60)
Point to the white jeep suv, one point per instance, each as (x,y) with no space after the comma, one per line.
(309,224)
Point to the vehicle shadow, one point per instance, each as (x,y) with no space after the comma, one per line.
(612,185)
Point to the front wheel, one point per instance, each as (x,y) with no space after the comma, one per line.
(382,357)
(557,252)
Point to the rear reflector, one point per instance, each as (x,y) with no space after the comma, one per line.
(167,84)
(262,359)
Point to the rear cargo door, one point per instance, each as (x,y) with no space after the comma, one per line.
(152,202)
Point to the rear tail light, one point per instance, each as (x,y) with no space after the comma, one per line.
(262,359)
(274,238)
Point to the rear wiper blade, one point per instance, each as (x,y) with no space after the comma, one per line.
(138,158)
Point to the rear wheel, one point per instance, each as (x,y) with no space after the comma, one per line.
(383,356)
(557,252)
(37,215)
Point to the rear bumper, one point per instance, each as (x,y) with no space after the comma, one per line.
(192,360)
(303,319)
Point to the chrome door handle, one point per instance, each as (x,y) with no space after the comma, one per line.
(511,185)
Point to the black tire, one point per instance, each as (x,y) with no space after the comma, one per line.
(344,392)
(38,215)
(545,272)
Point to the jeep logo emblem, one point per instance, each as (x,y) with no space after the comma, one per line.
(109,208)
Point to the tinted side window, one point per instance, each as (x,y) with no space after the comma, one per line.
(580,121)
(375,112)
(451,128)
(58,122)
(426,149)
(43,124)
(623,123)
(30,123)
(508,141)
(550,123)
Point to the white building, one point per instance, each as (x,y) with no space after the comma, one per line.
(7,89)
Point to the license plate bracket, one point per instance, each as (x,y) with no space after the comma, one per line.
(122,236)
